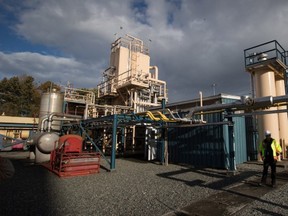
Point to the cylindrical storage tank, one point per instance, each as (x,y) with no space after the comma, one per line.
(282,116)
(265,86)
(51,102)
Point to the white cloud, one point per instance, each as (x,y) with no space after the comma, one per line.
(194,43)
(44,68)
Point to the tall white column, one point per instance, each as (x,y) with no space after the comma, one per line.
(282,117)
(265,86)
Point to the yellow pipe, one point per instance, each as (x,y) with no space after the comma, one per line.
(148,114)
(163,117)
(155,116)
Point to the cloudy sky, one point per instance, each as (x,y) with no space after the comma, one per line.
(194,43)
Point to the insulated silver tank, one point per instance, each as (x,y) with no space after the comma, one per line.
(51,102)
(45,142)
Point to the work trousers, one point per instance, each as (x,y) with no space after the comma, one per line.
(272,164)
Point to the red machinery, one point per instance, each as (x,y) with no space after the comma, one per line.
(69,159)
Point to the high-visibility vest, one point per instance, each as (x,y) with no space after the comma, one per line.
(274,145)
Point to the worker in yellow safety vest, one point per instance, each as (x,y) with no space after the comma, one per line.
(269,150)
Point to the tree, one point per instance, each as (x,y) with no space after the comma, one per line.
(9,94)
(19,96)
(48,86)
(30,97)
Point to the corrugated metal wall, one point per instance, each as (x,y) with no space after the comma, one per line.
(198,146)
(208,145)
(240,140)
(251,137)
(239,135)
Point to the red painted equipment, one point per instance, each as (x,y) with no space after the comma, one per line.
(69,159)
(70,143)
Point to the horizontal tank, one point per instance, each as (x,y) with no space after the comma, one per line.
(45,142)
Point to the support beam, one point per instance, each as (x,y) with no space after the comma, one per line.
(114,141)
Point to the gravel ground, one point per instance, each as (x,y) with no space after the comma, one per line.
(135,188)
(272,203)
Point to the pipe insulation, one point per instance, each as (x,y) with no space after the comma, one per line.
(244,104)
(61,115)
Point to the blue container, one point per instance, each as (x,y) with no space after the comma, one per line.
(208,145)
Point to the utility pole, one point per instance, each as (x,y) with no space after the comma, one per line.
(214,88)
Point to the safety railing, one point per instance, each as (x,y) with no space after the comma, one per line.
(266,51)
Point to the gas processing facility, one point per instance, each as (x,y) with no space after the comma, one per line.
(131,116)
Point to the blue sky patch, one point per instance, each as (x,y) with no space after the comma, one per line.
(139,8)
(11,41)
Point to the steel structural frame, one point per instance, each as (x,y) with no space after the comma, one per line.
(120,121)
(116,121)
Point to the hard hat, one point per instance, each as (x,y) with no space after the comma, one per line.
(267,133)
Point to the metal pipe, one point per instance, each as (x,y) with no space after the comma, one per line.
(155,71)
(263,102)
(257,113)
(201,104)
(66,119)
(157,81)
(280,99)
(86,112)
(68,116)
(114,142)
(257,103)
(42,124)
(161,82)
(215,107)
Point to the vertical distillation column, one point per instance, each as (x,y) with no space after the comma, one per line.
(267,65)
(265,86)
(283,119)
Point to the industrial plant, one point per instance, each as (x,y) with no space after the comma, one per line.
(131,117)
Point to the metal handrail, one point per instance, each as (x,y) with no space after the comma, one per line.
(278,52)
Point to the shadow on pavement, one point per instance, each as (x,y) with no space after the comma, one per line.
(22,195)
